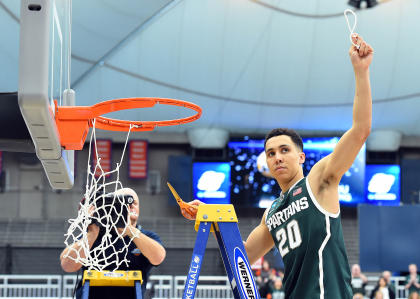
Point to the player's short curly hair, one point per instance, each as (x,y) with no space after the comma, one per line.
(297,140)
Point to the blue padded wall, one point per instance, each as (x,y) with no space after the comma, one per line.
(389,237)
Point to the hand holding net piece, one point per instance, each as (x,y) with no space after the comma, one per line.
(351,29)
(190,209)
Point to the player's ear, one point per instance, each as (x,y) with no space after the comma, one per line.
(302,157)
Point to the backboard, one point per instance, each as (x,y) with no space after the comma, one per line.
(44,76)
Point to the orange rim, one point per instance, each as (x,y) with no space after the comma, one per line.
(73,122)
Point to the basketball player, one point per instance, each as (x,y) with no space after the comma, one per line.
(144,252)
(304,222)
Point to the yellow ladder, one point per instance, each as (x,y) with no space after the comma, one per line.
(115,278)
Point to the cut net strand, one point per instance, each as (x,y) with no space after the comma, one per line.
(351,29)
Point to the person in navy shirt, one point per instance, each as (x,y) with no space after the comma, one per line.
(144,252)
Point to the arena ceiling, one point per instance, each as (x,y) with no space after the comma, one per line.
(252,65)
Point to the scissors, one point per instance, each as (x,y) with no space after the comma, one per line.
(182,204)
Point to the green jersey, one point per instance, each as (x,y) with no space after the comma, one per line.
(310,241)
(413,288)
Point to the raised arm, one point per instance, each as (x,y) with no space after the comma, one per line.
(328,172)
(344,154)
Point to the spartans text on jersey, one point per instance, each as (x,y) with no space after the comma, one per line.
(281,216)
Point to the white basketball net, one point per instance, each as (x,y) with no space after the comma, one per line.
(109,208)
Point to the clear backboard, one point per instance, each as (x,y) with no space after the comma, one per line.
(44,76)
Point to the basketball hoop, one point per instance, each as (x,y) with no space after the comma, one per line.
(73,122)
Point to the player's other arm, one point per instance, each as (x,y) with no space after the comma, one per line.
(328,171)
(68,264)
(259,242)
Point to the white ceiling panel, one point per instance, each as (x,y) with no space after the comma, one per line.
(250,64)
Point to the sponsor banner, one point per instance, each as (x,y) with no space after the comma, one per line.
(192,278)
(137,159)
(246,284)
(104,153)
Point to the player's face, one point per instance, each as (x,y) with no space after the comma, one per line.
(284,159)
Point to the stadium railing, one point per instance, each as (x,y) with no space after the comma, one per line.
(208,287)
(158,286)
(24,286)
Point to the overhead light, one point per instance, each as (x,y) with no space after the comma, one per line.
(357,3)
(384,140)
(209,138)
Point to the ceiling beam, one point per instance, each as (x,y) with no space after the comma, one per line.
(9,12)
(128,37)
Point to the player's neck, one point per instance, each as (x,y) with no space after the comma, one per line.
(285,186)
